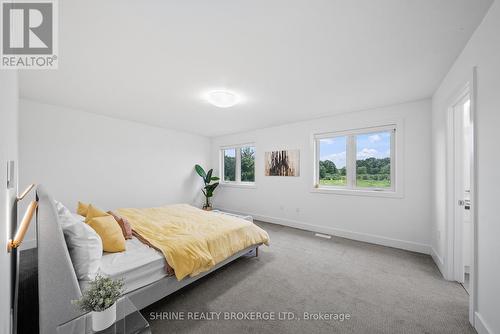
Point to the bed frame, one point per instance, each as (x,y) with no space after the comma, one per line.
(57,281)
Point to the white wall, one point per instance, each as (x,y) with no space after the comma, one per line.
(483,51)
(399,222)
(109,162)
(8,151)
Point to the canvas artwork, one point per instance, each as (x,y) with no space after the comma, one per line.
(283,163)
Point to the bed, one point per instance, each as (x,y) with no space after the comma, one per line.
(142,267)
(138,266)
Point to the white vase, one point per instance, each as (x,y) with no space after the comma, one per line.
(104,319)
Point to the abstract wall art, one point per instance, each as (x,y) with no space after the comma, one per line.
(283,163)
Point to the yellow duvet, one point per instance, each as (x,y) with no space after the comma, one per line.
(193,240)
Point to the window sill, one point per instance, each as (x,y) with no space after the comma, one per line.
(238,185)
(358,192)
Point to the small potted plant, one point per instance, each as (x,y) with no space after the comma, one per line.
(209,187)
(100,299)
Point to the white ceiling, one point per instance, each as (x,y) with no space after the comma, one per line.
(151,61)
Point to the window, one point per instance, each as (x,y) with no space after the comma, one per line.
(229,165)
(373,160)
(356,160)
(247,164)
(238,164)
(332,162)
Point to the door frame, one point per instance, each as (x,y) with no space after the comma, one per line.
(453,254)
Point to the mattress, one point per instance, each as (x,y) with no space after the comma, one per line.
(138,266)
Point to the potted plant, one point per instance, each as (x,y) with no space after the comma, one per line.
(100,299)
(209,187)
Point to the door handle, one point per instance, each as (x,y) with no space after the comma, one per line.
(465,203)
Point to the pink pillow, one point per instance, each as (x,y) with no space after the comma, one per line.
(124,224)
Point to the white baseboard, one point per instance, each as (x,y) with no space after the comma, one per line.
(439,262)
(480,325)
(28,244)
(370,238)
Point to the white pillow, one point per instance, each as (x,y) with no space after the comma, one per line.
(77,216)
(84,244)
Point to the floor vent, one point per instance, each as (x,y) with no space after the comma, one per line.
(324,236)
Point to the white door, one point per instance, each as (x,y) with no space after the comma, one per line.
(462,188)
(467,241)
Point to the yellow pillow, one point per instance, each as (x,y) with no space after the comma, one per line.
(82,209)
(93,212)
(110,232)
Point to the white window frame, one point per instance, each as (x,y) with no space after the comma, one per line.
(238,182)
(396,189)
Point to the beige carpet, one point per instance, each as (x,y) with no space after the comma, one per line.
(384,290)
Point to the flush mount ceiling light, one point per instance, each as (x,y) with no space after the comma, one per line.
(223,98)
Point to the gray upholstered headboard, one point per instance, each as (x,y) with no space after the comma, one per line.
(57,282)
